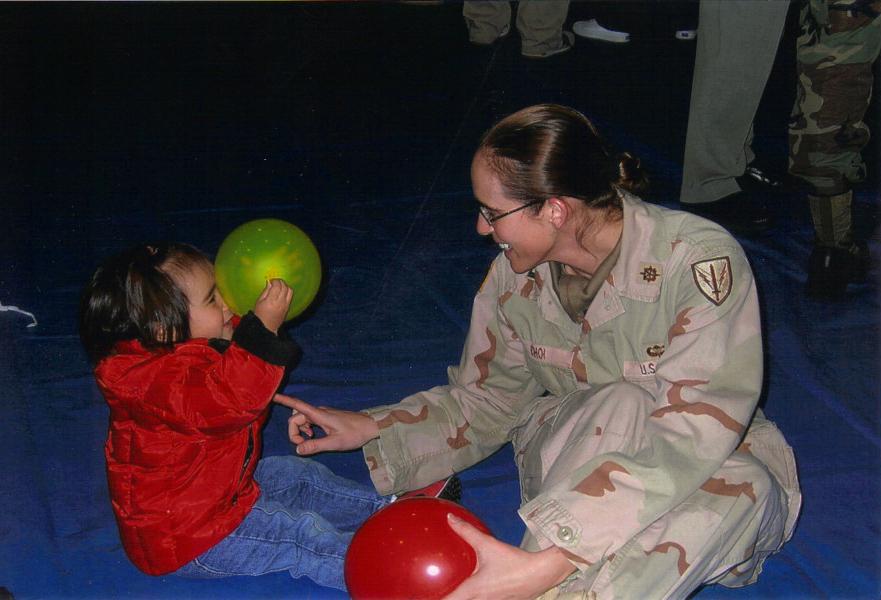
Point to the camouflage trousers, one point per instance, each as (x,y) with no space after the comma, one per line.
(838,42)
(709,538)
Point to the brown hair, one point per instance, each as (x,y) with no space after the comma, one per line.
(550,150)
(135,295)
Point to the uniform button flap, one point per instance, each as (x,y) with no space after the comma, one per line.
(565,533)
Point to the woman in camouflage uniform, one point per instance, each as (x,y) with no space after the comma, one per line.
(617,345)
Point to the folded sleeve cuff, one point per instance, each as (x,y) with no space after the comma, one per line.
(385,457)
(551,524)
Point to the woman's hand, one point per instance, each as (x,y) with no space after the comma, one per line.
(273,304)
(507,572)
(345,430)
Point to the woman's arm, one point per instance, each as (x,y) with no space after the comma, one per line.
(503,571)
(432,434)
(429,435)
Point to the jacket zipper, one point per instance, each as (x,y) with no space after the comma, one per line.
(247,461)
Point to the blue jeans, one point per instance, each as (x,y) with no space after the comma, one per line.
(302,523)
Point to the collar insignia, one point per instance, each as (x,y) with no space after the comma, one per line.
(651,273)
(713,278)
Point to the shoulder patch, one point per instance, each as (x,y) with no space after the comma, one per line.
(713,278)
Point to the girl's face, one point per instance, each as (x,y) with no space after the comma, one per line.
(209,315)
(526,238)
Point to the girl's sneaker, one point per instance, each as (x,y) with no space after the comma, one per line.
(445,489)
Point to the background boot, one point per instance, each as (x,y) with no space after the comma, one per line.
(831,268)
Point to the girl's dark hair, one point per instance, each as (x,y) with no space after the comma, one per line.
(134,295)
(550,150)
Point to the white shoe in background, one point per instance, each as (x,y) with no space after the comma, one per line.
(593,30)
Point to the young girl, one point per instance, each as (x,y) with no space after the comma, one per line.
(188,392)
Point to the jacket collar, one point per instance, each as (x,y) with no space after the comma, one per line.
(639,273)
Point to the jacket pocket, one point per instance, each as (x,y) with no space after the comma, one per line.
(554,367)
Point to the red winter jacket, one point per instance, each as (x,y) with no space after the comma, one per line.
(184,439)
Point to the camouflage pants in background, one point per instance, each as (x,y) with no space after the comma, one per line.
(838,42)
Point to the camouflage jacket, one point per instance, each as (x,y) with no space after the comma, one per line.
(678,316)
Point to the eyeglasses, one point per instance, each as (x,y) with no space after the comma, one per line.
(490,218)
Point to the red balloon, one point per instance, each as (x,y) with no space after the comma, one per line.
(408,550)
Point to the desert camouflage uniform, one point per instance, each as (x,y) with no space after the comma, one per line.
(839,41)
(634,430)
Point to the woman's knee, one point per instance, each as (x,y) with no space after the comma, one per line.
(621,408)
(771,504)
(587,424)
(753,477)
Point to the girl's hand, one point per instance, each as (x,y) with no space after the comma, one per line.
(345,430)
(273,304)
(506,572)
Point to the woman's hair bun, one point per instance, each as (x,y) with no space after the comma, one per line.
(631,176)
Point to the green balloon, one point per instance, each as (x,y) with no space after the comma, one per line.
(265,249)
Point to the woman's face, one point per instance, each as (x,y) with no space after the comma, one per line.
(525,237)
